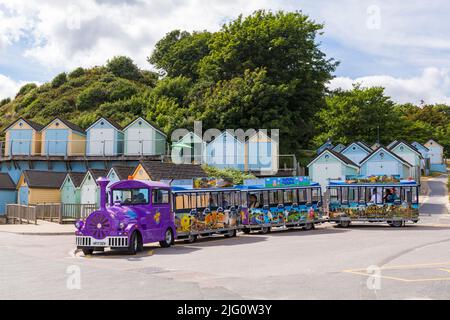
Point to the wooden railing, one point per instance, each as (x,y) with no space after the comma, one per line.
(73,211)
(49,212)
(19,213)
(55,212)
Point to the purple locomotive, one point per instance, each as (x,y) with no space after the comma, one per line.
(139,212)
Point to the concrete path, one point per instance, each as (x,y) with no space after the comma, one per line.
(435,206)
(41,228)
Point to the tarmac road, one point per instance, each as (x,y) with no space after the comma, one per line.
(326,263)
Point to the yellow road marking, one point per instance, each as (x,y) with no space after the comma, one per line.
(362,272)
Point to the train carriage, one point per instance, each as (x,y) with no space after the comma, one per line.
(285,207)
(205,212)
(373,199)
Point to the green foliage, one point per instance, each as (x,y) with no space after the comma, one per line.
(123,67)
(59,80)
(78,72)
(4,101)
(92,97)
(179,53)
(26,88)
(235,175)
(357,114)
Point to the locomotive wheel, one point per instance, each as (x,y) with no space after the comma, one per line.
(231,234)
(168,239)
(88,252)
(135,244)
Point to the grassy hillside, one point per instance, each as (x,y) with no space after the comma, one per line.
(84,94)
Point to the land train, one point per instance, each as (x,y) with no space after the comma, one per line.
(133,212)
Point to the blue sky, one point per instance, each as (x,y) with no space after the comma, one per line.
(403,46)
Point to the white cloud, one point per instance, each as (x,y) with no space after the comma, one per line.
(432,86)
(9,87)
(86,33)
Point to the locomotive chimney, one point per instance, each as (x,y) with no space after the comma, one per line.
(102,183)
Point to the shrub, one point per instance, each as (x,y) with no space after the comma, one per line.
(78,72)
(59,80)
(123,67)
(92,97)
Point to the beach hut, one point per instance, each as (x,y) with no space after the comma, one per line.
(436,156)
(8,192)
(425,161)
(89,188)
(119,173)
(436,152)
(104,138)
(191,143)
(144,138)
(356,151)
(261,153)
(63,138)
(331,165)
(327,145)
(70,189)
(339,147)
(39,187)
(409,153)
(167,171)
(23,137)
(385,162)
(226,151)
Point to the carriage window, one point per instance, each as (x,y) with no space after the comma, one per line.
(265,198)
(160,196)
(333,194)
(273,197)
(302,196)
(352,194)
(289,196)
(295,196)
(315,195)
(407,195)
(213,200)
(131,196)
(243,199)
(344,195)
(362,195)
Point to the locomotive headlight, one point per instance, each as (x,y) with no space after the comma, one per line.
(122,225)
(79,225)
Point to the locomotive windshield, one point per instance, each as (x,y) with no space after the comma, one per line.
(131,196)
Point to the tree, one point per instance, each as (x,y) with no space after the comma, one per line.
(179,53)
(123,67)
(78,72)
(357,115)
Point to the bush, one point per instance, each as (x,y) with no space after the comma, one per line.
(78,72)
(57,108)
(26,88)
(123,67)
(121,89)
(92,97)
(59,80)
(235,175)
(4,101)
